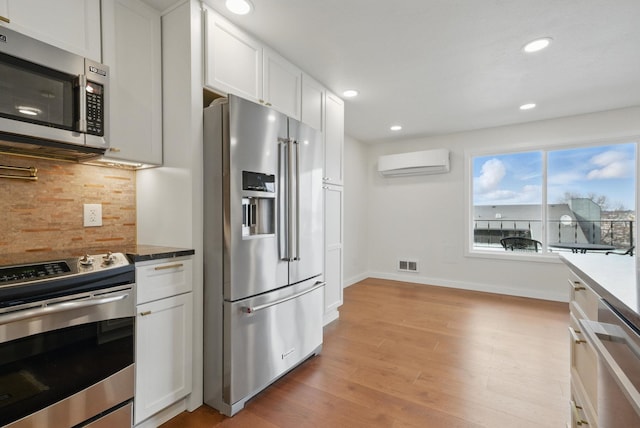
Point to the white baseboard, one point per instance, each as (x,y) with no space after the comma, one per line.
(330,316)
(354,279)
(560,296)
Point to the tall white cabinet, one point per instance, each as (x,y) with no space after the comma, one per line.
(333,204)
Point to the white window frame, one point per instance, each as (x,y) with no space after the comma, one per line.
(544,256)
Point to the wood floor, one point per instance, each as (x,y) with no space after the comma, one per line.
(406,355)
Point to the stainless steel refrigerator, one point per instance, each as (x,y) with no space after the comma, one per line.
(263,249)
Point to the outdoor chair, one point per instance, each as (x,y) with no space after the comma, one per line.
(519,243)
(628,252)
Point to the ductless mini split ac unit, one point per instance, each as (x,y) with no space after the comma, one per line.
(414,163)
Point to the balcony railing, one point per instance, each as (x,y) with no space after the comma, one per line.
(618,233)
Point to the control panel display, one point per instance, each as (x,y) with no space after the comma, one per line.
(95,108)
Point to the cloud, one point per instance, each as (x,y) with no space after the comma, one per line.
(492,173)
(610,164)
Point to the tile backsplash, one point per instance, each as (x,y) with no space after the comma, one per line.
(47,214)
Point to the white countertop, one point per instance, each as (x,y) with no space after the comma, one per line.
(613,277)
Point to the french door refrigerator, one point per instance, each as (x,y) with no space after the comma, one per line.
(263,249)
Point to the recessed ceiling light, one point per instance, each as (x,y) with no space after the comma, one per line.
(350,93)
(395,127)
(528,106)
(239,7)
(537,45)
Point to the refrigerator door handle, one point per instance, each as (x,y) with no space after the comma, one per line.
(252,309)
(291,202)
(297,204)
(283,204)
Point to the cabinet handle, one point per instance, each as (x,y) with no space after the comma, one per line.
(177,265)
(576,414)
(3,19)
(142,314)
(574,336)
(114,149)
(577,285)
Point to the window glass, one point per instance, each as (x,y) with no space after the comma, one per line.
(555,200)
(507,198)
(591,195)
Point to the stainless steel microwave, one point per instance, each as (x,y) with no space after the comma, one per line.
(53,103)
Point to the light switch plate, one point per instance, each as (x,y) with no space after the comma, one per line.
(92,215)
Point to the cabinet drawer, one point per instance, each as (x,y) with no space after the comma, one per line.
(584,366)
(164,278)
(581,414)
(583,296)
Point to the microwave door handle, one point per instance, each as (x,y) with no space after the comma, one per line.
(82,103)
(609,360)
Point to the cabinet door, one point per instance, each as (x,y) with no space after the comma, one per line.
(233,60)
(312,103)
(73,25)
(131,40)
(163,354)
(333,251)
(282,84)
(334,139)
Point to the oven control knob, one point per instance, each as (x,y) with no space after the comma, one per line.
(86,260)
(109,258)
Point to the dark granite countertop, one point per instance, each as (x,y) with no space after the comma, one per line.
(137,253)
(614,277)
(141,253)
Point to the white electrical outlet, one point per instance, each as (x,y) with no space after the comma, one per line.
(92,215)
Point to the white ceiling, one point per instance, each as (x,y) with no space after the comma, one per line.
(443,66)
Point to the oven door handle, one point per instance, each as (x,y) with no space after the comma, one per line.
(596,333)
(47,309)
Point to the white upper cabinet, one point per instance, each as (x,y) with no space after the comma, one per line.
(73,25)
(312,103)
(334,140)
(131,41)
(233,60)
(282,84)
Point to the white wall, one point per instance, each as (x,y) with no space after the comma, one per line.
(355,211)
(424,217)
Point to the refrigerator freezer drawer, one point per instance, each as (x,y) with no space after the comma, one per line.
(266,336)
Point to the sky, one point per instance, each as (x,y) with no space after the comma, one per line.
(517,178)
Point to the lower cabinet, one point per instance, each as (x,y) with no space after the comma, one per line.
(164,327)
(583,360)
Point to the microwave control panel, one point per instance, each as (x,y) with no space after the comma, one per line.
(95,108)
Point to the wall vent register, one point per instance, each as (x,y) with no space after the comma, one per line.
(408,265)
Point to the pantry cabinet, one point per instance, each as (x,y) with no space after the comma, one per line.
(334,237)
(72,25)
(131,42)
(164,326)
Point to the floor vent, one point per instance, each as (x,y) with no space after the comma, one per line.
(408,265)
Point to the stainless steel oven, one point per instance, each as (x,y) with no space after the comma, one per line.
(53,101)
(617,345)
(67,343)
